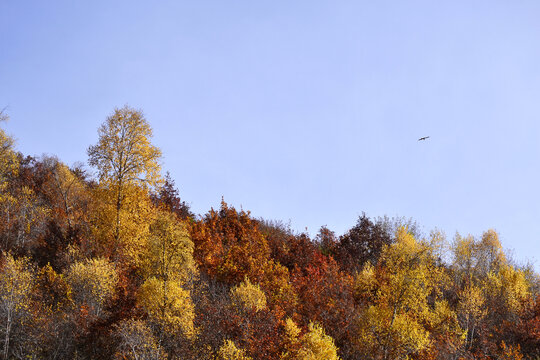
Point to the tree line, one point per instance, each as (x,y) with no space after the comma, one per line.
(116,266)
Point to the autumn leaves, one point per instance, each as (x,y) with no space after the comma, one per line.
(117,267)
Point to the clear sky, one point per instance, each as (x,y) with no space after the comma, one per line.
(307,111)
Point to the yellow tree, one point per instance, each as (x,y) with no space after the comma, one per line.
(170,306)
(169,249)
(509,288)
(229,351)
(16,284)
(8,158)
(471,310)
(135,218)
(127,163)
(403,304)
(473,259)
(21,219)
(313,345)
(247,296)
(92,283)
(492,293)
(316,345)
(9,167)
(168,264)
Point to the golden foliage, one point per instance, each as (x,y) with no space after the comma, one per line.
(247,296)
(476,258)
(394,335)
(229,351)
(167,263)
(127,165)
(313,345)
(92,282)
(16,284)
(124,154)
(169,253)
(510,286)
(316,345)
(276,283)
(127,241)
(471,310)
(9,166)
(169,305)
(291,340)
(398,314)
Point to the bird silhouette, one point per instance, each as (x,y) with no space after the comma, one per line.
(423,138)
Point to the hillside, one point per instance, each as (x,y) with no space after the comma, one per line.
(117,266)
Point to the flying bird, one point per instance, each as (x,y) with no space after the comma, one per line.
(423,138)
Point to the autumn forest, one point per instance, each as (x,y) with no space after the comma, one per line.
(108,262)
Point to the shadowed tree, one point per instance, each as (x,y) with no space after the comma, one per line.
(361,244)
(169,199)
(137,342)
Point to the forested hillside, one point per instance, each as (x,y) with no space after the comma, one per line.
(116,266)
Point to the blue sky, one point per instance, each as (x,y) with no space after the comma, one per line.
(307,111)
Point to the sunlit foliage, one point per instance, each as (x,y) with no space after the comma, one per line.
(169,249)
(229,351)
(313,345)
(402,300)
(127,165)
(248,296)
(168,304)
(16,285)
(92,283)
(167,264)
(118,267)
